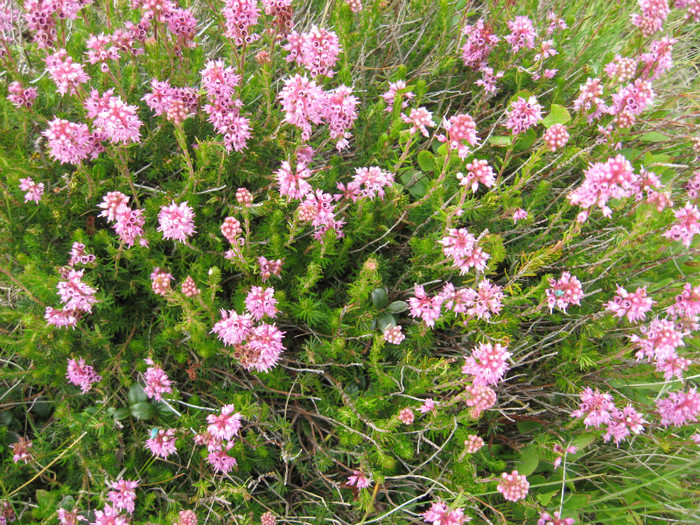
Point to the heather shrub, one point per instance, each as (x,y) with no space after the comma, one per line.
(356,262)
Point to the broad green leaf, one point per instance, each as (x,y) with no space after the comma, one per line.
(380,298)
(397,307)
(426,161)
(136,394)
(143,411)
(654,136)
(529,459)
(501,140)
(557,115)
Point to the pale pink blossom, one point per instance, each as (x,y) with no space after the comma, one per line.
(176,221)
(513,486)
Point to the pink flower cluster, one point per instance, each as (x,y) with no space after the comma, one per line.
(523,114)
(686,309)
(461,133)
(679,408)
(240,16)
(634,306)
(487,364)
(658,344)
(480,398)
(522,34)
(176,221)
(659,59)
(428,406)
(397,91)
(77,297)
(34,189)
(612,179)
(440,514)
(157,381)
(480,43)
(109,516)
(67,75)
(71,143)
(394,335)
(268,268)
(189,287)
(462,247)
(128,223)
(478,171)
(292,182)
(161,443)
(621,69)
(257,347)
(359,480)
(368,183)
(561,453)
(687,225)
(100,50)
(473,444)
(305,103)
(630,101)
(406,416)
(176,103)
(590,98)
(160,281)
(596,407)
(20,97)
(652,17)
(82,375)
(554,519)
(220,82)
(112,117)
(318,209)
(556,137)
(427,308)
(317,50)
(622,423)
(419,119)
(123,494)
(513,486)
(219,438)
(21,450)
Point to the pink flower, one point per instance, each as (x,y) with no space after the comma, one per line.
(116,119)
(109,516)
(480,43)
(596,407)
(371,181)
(160,281)
(176,221)
(34,190)
(428,406)
(189,288)
(69,143)
(69,518)
(317,50)
(123,494)
(427,308)
(652,17)
(20,450)
(20,97)
(162,444)
(75,294)
(240,16)
(564,292)
(233,329)
(561,453)
(487,364)
(686,226)
(82,375)
(100,50)
(129,225)
(440,514)
(523,114)
(462,247)
(394,335)
(269,268)
(261,302)
(355,7)
(406,416)
(420,119)
(303,102)
(359,480)
(522,34)
(556,137)
(679,408)
(488,79)
(478,171)
(480,398)
(623,422)
(292,183)
(632,305)
(659,339)
(461,133)
(519,215)
(555,519)
(231,229)
(221,461)
(65,73)
(187,517)
(157,381)
(397,91)
(61,318)
(513,486)
(621,69)
(263,349)
(226,425)
(473,443)
(591,95)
